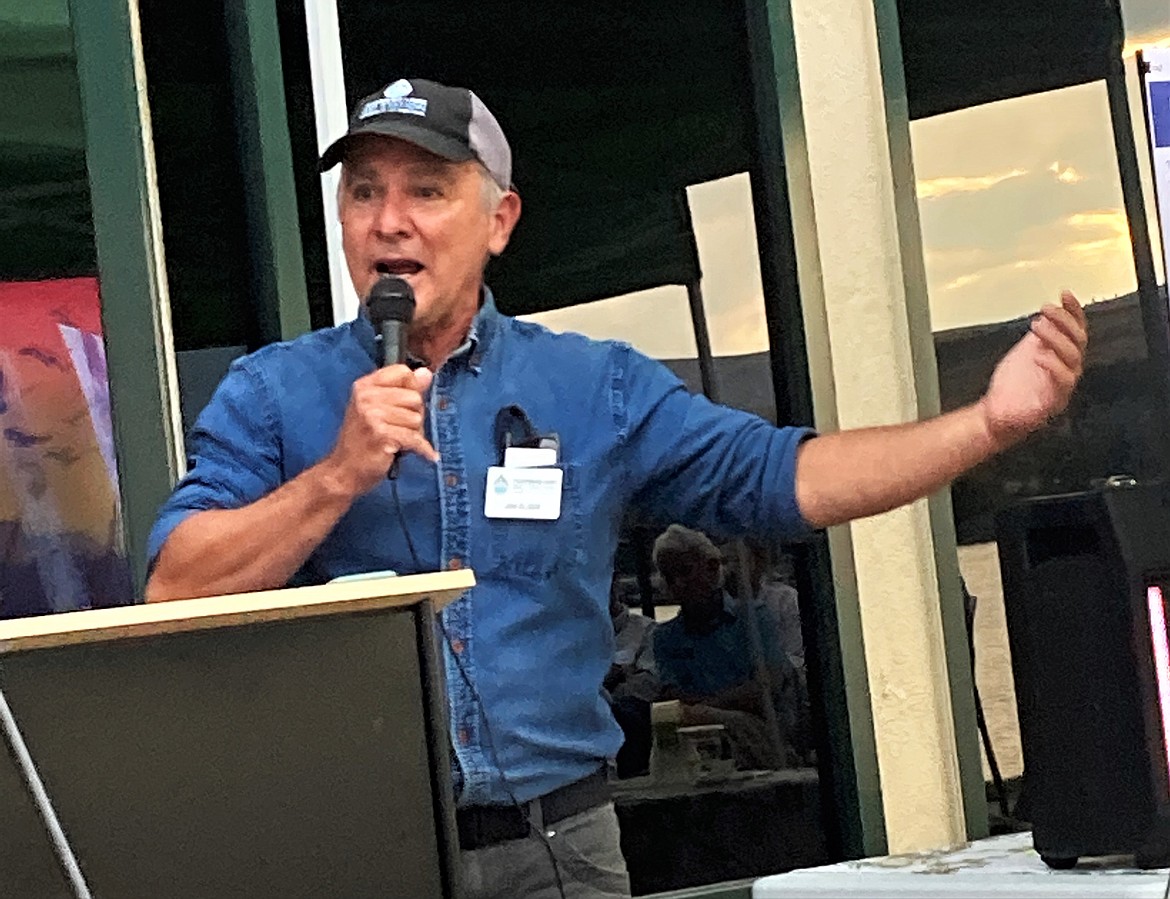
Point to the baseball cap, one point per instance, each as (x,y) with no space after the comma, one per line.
(451,122)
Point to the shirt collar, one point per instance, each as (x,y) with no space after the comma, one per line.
(483,328)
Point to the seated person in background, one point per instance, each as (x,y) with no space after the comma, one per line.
(707,656)
(772,582)
(632,683)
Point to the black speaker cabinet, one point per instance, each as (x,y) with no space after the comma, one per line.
(1086,578)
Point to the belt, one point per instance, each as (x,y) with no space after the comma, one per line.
(486,825)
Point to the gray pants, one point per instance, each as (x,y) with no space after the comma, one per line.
(588,856)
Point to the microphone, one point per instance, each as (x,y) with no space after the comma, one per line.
(391,308)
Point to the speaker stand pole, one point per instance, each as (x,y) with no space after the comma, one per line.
(36,790)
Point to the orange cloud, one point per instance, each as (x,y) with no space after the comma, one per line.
(934,188)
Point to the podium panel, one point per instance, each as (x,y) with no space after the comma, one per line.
(287,758)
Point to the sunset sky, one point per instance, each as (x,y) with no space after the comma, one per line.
(1017,200)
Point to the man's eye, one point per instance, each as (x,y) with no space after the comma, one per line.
(428,191)
(362,192)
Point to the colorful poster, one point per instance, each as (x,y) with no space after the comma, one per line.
(60,528)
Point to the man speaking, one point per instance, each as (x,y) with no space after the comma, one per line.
(299,437)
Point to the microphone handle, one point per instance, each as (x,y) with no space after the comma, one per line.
(393,353)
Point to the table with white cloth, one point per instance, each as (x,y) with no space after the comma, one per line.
(994,868)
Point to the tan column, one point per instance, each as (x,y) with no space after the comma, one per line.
(863,294)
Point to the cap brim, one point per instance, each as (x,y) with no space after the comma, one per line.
(402,129)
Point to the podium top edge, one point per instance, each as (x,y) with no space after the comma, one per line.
(177,616)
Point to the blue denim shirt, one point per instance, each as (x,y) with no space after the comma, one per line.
(534,634)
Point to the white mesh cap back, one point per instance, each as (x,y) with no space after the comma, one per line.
(489,144)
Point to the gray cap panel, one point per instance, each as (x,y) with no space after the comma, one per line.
(488,143)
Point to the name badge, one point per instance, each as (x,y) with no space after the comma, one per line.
(533,493)
(529,457)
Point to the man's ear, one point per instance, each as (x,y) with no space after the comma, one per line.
(503,221)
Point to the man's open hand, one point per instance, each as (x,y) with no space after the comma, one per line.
(1034,381)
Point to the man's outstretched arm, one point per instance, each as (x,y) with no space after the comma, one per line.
(857,473)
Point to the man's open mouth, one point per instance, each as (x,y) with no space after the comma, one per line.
(398,267)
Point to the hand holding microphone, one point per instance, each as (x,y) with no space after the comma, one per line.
(386,408)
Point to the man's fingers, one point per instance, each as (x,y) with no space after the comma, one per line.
(415,442)
(1058,341)
(1065,377)
(1068,323)
(400,398)
(403,440)
(403,429)
(422,379)
(1073,305)
(382,401)
(393,376)
(402,417)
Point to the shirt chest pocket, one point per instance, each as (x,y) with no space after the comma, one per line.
(526,549)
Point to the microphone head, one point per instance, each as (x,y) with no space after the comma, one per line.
(391,299)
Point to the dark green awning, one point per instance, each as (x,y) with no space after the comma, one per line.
(563,254)
(636,99)
(962,54)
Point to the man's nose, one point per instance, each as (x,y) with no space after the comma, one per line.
(393,219)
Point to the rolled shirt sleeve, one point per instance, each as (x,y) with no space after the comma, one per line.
(233,453)
(722,470)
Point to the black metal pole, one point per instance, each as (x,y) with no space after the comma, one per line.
(642,540)
(703,341)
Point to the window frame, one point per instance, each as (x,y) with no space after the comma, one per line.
(119,156)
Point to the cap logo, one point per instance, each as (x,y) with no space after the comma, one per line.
(399,89)
(395,98)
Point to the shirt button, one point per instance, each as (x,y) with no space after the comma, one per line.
(443,404)
(452,480)
(455,564)
(464,736)
(457,646)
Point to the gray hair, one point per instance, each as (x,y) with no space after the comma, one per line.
(678,542)
(491,191)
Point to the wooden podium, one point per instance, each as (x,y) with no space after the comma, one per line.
(280,744)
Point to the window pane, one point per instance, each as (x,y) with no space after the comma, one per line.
(1018,200)
(656,322)
(709,681)
(60,529)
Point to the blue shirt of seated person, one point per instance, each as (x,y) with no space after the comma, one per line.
(695,664)
(709,650)
(535,633)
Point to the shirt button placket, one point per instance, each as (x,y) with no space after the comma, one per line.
(453,486)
